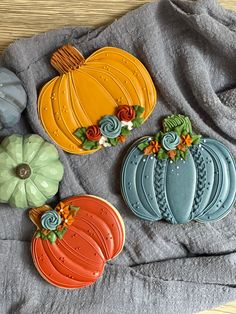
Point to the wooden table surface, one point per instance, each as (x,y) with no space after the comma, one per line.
(24,18)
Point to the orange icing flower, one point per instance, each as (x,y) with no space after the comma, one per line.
(171,154)
(68,220)
(181,147)
(121,138)
(186,139)
(153,148)
(62,209)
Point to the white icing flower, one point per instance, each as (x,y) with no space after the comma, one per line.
(104,142)
(129,124)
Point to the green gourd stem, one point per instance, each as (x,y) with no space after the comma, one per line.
(174,121)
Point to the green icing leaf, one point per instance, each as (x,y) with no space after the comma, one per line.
(137,122)
(72,207)
(162,154)
(80,133)
(52,237)
(138,110)
(158,137)
(182,154)
(196,139)
(113,141)
(88,145)
(125,131)
(38,234)
(143,145)
(60,233)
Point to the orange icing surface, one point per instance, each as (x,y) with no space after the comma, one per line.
(78,259)
(82,95)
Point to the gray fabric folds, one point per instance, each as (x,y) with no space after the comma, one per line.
(189,48)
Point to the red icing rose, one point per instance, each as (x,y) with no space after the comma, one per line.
(93,133)
(125,113)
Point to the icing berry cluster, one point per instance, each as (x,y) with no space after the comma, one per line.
(53,223)
(111,129)
(175,140)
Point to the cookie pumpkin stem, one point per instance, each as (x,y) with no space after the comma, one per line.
(67,58)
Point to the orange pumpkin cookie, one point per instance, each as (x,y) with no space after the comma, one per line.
(88,90)
(74,241)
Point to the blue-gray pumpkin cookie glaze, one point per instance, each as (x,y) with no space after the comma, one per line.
(194,181)
(13,98)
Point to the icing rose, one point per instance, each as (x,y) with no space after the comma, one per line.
(110,126)
(125,113)
(93,133)
(50,220)
(170,140)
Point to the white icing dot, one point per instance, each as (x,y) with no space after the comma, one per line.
(204,141)
(177,167)
(177,174)
(149,138)
(1,85)
(202,149)
(155,155)
(181,158)
(200,145)
(172,170)
(171,162)
(152,157)
(144,160)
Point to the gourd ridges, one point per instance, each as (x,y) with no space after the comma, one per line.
(201,178)
(160,191)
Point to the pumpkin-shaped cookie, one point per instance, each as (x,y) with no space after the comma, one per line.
(74,241)
(30,171)
(88,90)
(13,98)
(177,176)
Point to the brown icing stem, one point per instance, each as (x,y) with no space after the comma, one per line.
(23,171)
(36,213)
(67,58)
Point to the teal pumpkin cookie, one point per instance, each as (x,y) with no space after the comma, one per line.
(179,176)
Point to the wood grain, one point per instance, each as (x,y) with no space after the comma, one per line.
(24,18)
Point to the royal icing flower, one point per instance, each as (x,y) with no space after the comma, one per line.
(50,220)
(153,148)
(93,133)
(68,220)
(104,141)
(171,154)
(128,124)
(170,141)
(110,126)
(125,113)
(62,209)
(121,138)
(186,139)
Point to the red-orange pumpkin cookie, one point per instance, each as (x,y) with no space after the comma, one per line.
(74,241)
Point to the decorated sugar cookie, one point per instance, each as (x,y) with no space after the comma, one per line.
(13,98)
(74,240)
(95,102)
(30,171)
(179,176)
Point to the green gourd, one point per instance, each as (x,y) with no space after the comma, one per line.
(13,98)
(30,171)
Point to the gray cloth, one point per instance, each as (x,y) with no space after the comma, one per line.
(190,50)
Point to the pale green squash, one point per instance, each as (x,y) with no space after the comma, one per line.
(30,171)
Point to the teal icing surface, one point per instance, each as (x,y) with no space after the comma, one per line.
(201,188)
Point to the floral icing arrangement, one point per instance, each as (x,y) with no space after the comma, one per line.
(53,223)
(112,129)
(175,140)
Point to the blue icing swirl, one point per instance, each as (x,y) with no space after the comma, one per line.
(50,220)
(110,126)
(170,140)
